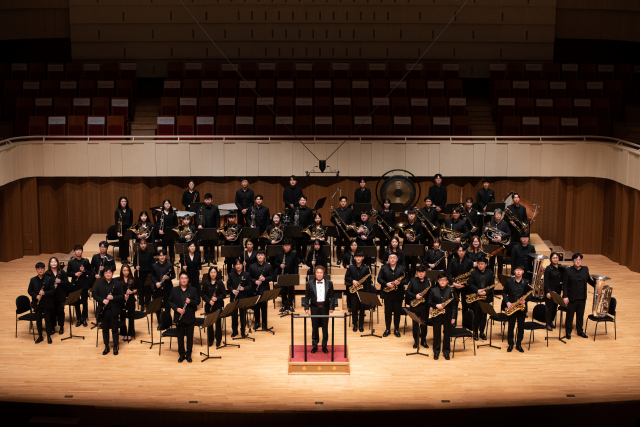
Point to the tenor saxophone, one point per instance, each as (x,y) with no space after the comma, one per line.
(518,306)
(475,297)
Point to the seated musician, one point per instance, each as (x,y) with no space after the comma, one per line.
(316,257)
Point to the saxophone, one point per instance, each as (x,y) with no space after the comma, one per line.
(395,287)
(355,288)
(437,312)
(518,306)
(475,297)
(463,278)
(416,302)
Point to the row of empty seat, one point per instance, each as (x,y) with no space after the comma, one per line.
(550,126)
(77,125)
(69,70)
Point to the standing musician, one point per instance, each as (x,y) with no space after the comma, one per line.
(143,221)
(304,220)
(191,195)
(261,218)
(435,257)
(162,274)
(102,260)
(240,287)
(192,265)
(184,300)
(109,296)
(520,255)
(319,299)
(412,261)
(389,217)
(394,248)
(129,303)
(575,279)
(250,256)
(458,266)
(485,195)
(475,250)
(472,214)
(292,194)
(210,219)
(389,277)
(416,286)
(362,194)
(353,275)
(123,217)
(458,224)
(62,286)
(213,295)
(230,240)
(316,257)
(502,226)
(167,220)
(260,278)
(552,283)
(431,213)
(438,193)
(143,262)
(346,218)
(244,201)
(437,297)
(41,292)
(81,273)
(520,212)
(513,292)
(286,262)
(481,278)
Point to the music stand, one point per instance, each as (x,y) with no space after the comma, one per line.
(491,208)
(151,247)
(413,250)
(397,208)
(432,276)
(286,281)
(372,301)
(182,249)
(251,232)
(416,319)
(129,235)
(272,250)
(558,300)
(488,309)
(246,303)
(226,312)
(269,295)
(234,252)
(208,321)
(370,252)
(448,209)
(195,207)
(72,298)
(357,208)
(153,306)
(292,231)
(319,204)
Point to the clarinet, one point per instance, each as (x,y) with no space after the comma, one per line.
(184,307)
(102,308)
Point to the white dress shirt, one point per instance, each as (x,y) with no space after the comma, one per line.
(320,290)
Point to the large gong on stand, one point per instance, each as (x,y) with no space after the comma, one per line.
(398,185)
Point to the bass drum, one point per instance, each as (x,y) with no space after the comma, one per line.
(398,188)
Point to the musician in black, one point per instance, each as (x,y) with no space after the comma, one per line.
(250,255)
(231,240)
(62,286)
(162,274)
(244,200)
(458,266)
(102,260)
(431,214)
(192,265)
(346,218)
(472,216)
(574,292)
(348,258)
(416,291)
(188,229)
(437,297)
(261,219)
(392,275)
(438,193)
(260,278)
(41,292)
(184,300)
(210,219)
(316,257)
(319,301)
(435,258)
(240,287)
(142,262)
(109,295)
(191,195)
(502,226)
(394,248)
(513,292)
(276,222)
(81,273)
(305,218)
(213,295)
(123,217)
(354,274)
(520,212)
(520,255)
(129,304)
(167,220)
(480,279)
(291,195)
(286,262)
(143,221)
(362,194)
(553,275)
(458,224)
(409,239)
(389,217)
(485,195)
(317,226)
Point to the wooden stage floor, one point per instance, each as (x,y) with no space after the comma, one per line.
(254,378)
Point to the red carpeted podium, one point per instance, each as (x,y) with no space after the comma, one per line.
(319,363)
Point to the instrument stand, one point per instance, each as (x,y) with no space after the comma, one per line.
(210,320)
(488,309)
(416,319)
(73,297)
(558,300)
(95,306)
(153,306)
(372,301)
(286,281)
(226,312)
(266,297)
(245,303)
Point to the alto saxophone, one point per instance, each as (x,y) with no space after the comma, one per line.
(475,297)
(355,288)
(395,287)
(419,301)
(437,312)
(518,306)
(463,278)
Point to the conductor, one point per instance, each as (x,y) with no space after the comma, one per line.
(319,295)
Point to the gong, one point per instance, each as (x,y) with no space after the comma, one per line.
(399,189)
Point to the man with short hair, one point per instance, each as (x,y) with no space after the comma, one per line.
(520,255)
(362,194)
(244,201)
(81,273)
(480,279)
(485,195)
(286,262)
(418,285)
(393,277)
(260,277)
(438,193)
(291,195)
(162,274)
(319,301)
(346,219)
(210,219)
(354,274)
(184,300)
(574,292)
(514,292)
(42,301)
(110,297)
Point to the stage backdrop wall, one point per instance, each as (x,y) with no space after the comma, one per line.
(47,215)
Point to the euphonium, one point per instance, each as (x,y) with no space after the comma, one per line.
(538,276)
(273,235)
(475,297)
(517,306)
(450,235)
(601,296)
(491,233)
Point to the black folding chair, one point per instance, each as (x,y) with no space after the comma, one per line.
(166,329)
(540,322)
(610,317)
(23,304)
(464,332)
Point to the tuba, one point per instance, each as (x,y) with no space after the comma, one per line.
(491,233)
(450,235)
(601,296)
(538,277)
(275,235)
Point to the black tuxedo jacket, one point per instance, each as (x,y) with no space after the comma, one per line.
(312,297)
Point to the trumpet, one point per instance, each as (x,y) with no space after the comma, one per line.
(386,228)
(316,233)
(355,288)
(519,225)
(273,235)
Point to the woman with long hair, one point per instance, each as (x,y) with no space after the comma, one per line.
(167,220)
(394,248)
(192,265)
(213,295)
(63,286)
(249,257)
(316,257)
(129,305)
(144,222)
(124,220)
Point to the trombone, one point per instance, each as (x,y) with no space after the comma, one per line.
(382,224)
(423,219)
(519,225)
(465,216)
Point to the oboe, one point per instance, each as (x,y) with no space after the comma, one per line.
(184,307)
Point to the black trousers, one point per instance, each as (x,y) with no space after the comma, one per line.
(123,248)
(301,246)
(57,315)
(520,317)
(209,249)
(392,307)
(552,308)
(260,313)
(288,294)
(170,246)
(128,329)
(463,298)
(242,313)
(185,330)
(577,308)
(82,305)
(384,243)
(144,291)
(479,316)
(357,309)
(492,264)
(46,314)
(165,306)
(411,263)
(442,322)
(420,331)
(342,245)
(110,322)
(316,322)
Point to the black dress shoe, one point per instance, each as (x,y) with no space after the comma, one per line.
(291,309)
(386,333)
(361,328)
(520,349)
(325,350)
(424,343)
(568,336)
(78,323)
(583,335)
(483,337)
(234,334)
(256,326)
(84,323)
(415,344)
(475,337)
(189,360)
(49,341)
(549,328)
(106,351)
(181,359)
(314,349)
(39,340)
(61,330)
(509,349)
(397,333)
(115,350)
(355,328)
(446,356)
(282,310)
(218,344)
(436,356)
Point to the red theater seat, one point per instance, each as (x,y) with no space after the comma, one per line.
(264,124)
(246,106)
(321,88)
(551,71)
(172,88)
(588,72)
(396,70)
(76,126)
(380,106)
(377,70)
(19,71)
(526,107)
(50,88)
(564,107)
(569,126)
(284,126)
(362,126)
(184,125)
(341,88)
(208,106)
(120,107)
(539,89)
(266,88)
(432,70)
(285,88)
(37,125)
(55,71)
(595,89)
(68,88)
(360,88)
(100,106)
(284,106)
(402,125)
(397,88)
(116,125)
(454,88)
(520,89)
(304,71)
(304,107)
(575,89)
(359,70)
(57,126)
(450,71)
(247,88)
(544,107)
(87,88)
(96,125)
(129,71)
(174,70)
(340,70)
(249,70)
(461,125)
(205,125)
(416,88)
(73,71)
(191,88)
(304,125)
(285,70)
(82,106)
(435,89)
(341,107)
(511,126)
(361,106)
(421,125)
(169,106)
(506,107)
(323,107)
(379,88)
(442,126)
(582,107)
(267,71)
(321,70)
(210,88)
(106,88)
(323,125)
(43,106)
(419,107)
(343,125)
(244,125)
(226,107)
(224,125)
(193,70)
(31,88)
(110,70)
(533,71)
(531,126)
(515,71)
(265,106)
(439,106)
(399,106)
(91,71)
(62,107)
(382,125)
(458,106)
(212,70)
(550,126)
(188,106)
(589,126)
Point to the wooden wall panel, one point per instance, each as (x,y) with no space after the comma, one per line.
(29,214)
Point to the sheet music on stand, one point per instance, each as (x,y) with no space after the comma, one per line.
(319,204)
(251,232)
(416,319)
(209,321)
(286,281)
